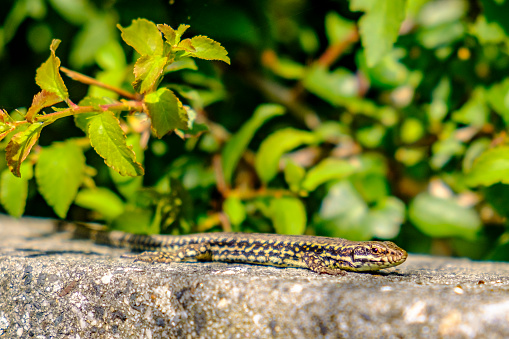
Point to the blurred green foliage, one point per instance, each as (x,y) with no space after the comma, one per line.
(360,119)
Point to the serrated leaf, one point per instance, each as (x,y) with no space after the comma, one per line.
(205,48)
(128,186)
(143,36)
(48,75)
(147,72)
(438,217)
(59,174)
(41,100)
(491,167)
(14,191)
(101,200)
(6,125)
(166,112)
(288,215)
(171,35)
(236,146)
(20,146)
(180,31)
(328,169)
(379,27)
(274,146)
(82,120)
(109,141)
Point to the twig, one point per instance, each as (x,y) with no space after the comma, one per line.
(93,82)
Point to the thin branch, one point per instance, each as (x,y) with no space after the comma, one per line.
(93,82)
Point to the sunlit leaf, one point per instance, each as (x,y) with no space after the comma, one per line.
(491,167)
(386,217)
(109,141)
(379,26)
(236,146)
(205,48)
(41,100)
(235,210)
(274,146)
(101,200)
(294,175)
(288,215)
(6,124)
(166,112)
(328,169)
(48,75)
(143,36)
(59,174)
(14,191)
(337,28)
(82,120)
(171,35)
(334,87)
(343,213)
(126,185)
(147,72)
(438,217)
(20,146)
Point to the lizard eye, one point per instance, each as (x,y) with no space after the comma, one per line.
(374,250)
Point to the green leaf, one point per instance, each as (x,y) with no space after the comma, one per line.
(438,217)
(59,174)
(14,191)
(328,169)
(333,87)
(294,175)
(129,186)
(20,146)
(491,167)
(109,141)
(235,210)
(143,36)
(343,213)
(498,99)
(171,35)
(182,63)
(205,48)
(147,72)
(274,146)
(101,200)
(6,124)
(48,75)
(379,26)
(236,146)
(337,28)
(288,215)
(41,100)
(386,217)
(82,120)
(166,112)
(475,111)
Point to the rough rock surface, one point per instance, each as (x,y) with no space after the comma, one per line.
(52,286)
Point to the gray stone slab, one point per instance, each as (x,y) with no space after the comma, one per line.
(52,286)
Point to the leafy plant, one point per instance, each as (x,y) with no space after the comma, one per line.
(60,168)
